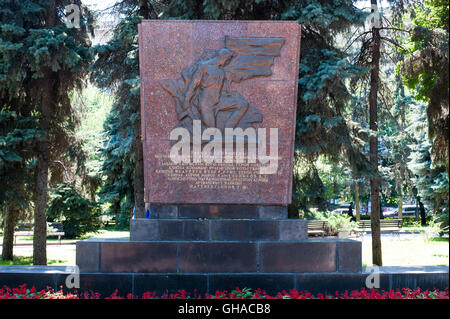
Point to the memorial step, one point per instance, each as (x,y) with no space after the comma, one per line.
(321,255)
(218,211)
(218,229)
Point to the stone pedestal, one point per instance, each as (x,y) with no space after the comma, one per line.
(182,247)
(211,246)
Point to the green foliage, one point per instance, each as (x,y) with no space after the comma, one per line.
(336,222)
(117,67)
(426,71)
(321,129)
(314,214)
(435,228)
(430,178)
(93,105)
(340,222)
(34,52)
(18,138)
(28,48)
(26,261)
(244,293)
(434,15)
(78,215)
(331,118)
(309,190)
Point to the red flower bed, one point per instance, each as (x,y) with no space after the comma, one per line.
(23,293)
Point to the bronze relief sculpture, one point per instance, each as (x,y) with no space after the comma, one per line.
(203,92)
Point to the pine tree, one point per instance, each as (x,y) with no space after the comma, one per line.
(382,32)
(42,60)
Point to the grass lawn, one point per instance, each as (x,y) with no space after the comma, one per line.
(56,254)
(416,252)
(108,234)
(68,259)
(100,234)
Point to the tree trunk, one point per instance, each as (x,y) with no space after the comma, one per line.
(139,201)
(40,220)
(417,210)
(403,158)
(373,146)
(48,98)
(400,205)
(400,193)
(12,214)
(358,212)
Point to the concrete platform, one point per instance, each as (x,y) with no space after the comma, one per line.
(424,277)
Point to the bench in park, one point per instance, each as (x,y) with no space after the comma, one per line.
(25,229)
(386,225)
(317,227)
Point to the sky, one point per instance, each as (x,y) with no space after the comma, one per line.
(98,4)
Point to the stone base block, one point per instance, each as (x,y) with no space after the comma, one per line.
(218,211)
(318,256)
(218,229)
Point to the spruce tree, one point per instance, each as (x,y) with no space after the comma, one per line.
(429,177)
(324,67)
(323,95)
(42,60)
(324,70)
(19,136)
(117,68)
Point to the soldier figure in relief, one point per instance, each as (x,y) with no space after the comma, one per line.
(213,88)
(203,92)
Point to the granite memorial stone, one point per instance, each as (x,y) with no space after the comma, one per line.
(209,76)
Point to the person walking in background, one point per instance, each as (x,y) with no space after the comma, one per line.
(350,212)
